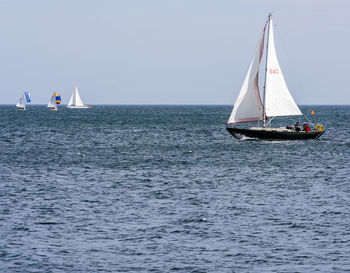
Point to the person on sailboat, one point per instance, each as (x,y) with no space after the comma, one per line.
(306,127)
(297,126)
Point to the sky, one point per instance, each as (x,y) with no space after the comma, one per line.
(169,51)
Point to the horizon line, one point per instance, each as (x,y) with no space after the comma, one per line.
(163,104)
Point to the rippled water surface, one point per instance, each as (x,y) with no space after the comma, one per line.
(167,189)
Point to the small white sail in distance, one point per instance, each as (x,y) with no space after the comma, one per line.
(52,102)
(21,103)
(71,100)
(278,100)
(248,106)
(75,101)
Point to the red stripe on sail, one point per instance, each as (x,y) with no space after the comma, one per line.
(245,120)
(262,44)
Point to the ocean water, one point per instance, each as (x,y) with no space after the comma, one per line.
(168,189)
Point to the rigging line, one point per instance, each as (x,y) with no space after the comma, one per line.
(268,123)
(267,55)
(309,120)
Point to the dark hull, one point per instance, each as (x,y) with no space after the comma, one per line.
(273,134)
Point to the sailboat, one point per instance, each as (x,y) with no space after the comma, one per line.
(23,100)
(277,100)
(75,100)
(54,101)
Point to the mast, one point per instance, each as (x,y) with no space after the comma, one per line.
(267,53)
(76,93)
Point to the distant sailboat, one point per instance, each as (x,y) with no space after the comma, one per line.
(54,101)
(21,103)
(23,100)
(277,100)
(75,101)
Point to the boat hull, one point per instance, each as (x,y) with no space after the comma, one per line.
(273,134)
(78,107)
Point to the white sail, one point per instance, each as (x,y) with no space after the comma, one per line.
(278,100)
(78,101)
(248,106)
(52,102)
(71,100)
(21,102)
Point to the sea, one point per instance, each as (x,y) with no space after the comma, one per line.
(165,188)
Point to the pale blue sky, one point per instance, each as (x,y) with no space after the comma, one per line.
(169,52)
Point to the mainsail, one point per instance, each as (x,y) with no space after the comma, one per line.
(52,102)
(278,100)
(248,106)
(21,102)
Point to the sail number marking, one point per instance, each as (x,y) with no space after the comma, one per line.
(273,71)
